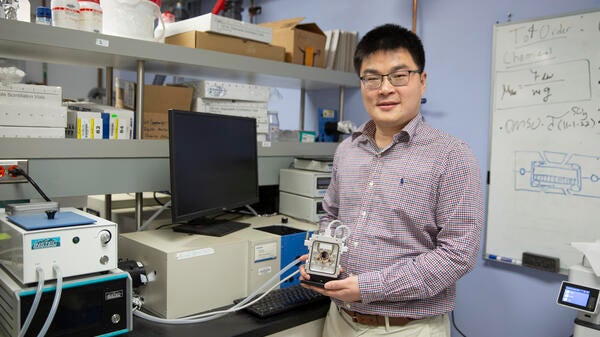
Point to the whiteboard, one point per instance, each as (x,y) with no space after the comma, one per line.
(544,187)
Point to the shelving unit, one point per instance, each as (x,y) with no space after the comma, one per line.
(22,40)
(67,167)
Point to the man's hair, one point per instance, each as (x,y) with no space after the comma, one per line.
(389,37)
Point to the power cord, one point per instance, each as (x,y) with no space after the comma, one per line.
(155,197)
(454,324)
(20,172)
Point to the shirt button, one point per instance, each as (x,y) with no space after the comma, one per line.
(363,213)
(370,183)
(355,244)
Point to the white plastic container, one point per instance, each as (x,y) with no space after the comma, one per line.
(131,18)
(24,11)
(273,126)
(65,13)
(90,16)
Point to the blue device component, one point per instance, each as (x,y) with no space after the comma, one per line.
(292,247)
(327,116)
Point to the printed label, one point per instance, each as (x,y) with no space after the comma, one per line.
(111,295)
(193,253)
(264,270)
(45,243)
(102,42)
(267,251)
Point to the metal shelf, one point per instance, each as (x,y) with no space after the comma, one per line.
(36,148)
(68,167)
(23,40)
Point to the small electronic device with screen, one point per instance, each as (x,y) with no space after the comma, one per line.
(214,168)
(578,297)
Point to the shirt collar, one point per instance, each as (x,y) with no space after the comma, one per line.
(367,130)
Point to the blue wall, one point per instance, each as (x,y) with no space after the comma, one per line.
(495,300)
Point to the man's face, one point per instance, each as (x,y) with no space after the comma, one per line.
(389,106)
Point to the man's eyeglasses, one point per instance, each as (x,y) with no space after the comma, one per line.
(397,78)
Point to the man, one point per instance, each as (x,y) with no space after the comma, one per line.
(411,197)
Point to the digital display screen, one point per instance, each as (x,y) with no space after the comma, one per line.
(320,209)
(323,183)
(578,297)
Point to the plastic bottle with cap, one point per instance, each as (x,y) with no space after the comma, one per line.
(157,2)
(90,16)
(43,16)
(168,17)
(65,13)
(274,131)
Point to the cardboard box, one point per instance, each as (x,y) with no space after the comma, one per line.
(39,95)
(31,132)
(256,110)
(84,124)
(229,90)
(117,123)
(304,43)
(158,99)
(221,25)
(15,114)
(227,44)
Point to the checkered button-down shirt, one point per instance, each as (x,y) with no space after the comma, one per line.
(415,211)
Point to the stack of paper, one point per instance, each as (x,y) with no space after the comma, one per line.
(339,50)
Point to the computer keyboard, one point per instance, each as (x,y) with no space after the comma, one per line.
(284,299)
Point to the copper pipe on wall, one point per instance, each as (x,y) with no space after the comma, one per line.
(414,16)
(100,81)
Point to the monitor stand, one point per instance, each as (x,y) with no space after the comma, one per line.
(210,227)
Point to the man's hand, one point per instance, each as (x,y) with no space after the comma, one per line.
(346,290)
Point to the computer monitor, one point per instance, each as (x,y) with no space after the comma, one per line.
(214,168)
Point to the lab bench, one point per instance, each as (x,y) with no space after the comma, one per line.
(305,321)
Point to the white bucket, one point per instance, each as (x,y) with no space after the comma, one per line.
(131,18)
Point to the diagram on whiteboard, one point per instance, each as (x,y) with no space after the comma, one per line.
(557,173)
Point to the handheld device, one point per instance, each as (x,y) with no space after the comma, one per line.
(324,254)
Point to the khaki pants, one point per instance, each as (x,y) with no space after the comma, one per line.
(339,324)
